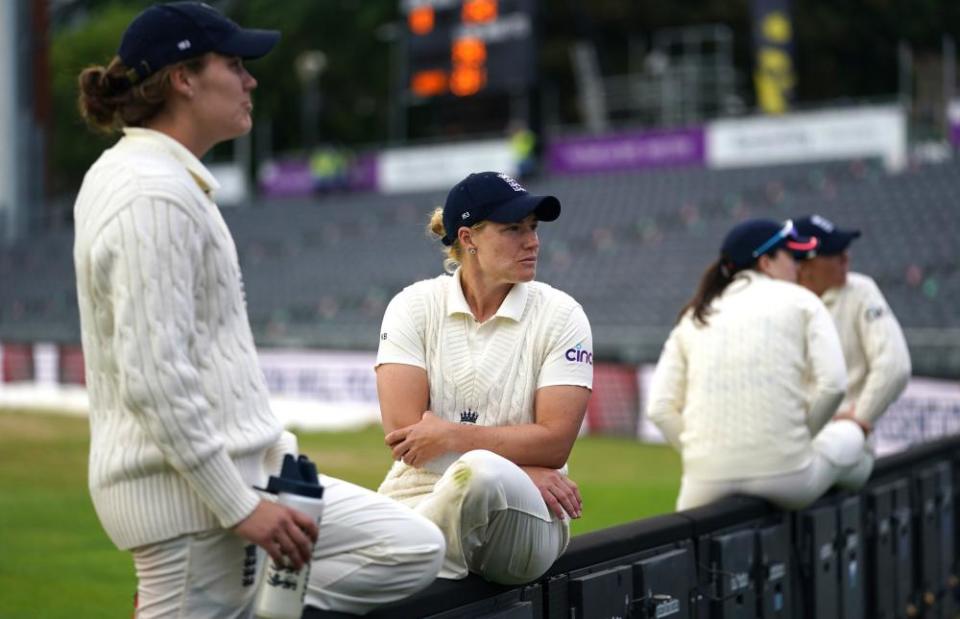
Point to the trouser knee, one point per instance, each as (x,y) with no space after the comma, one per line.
(841,442)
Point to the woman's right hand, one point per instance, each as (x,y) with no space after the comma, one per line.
(559,492)
(285,533)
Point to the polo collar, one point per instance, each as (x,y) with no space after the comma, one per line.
(201,175)
(512,306)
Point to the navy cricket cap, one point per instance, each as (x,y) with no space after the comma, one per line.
(749,240)
(165,34)
(492,196)
(833,240)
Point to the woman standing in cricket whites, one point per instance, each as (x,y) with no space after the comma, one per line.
(750,377)
(181,426)
(483,377)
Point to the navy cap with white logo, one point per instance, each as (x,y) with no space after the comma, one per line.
(833,240)
(492,196)
(165,34)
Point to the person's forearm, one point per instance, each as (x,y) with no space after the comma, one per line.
(525,445)
(883,386)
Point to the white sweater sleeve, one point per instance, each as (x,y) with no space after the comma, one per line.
(156,248)
(825,356)
(887,356)
(668,390)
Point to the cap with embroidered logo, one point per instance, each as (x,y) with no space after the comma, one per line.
(833,240)
(492,196)
(164,34)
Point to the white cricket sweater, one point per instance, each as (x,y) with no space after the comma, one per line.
(742,396)
(538,337)
(878,361)
(179,416)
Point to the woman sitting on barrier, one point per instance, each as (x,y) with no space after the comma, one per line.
(751,375)
(483,379)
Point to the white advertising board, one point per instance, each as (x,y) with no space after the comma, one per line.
(321,389)
(928,409)
(876,131)
(425,168)
(234,189)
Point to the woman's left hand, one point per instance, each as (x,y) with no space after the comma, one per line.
(559,492)
(421,442)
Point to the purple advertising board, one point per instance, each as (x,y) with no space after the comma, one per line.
(294,177)
(953,120)
(363,173)
(626,151)
(286,179)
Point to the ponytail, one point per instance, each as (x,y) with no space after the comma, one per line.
(712,284)
(109,100)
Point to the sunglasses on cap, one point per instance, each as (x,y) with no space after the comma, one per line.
(795,242)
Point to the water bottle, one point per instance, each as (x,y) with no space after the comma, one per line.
(282,588)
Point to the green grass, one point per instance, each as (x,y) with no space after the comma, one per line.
(58,563)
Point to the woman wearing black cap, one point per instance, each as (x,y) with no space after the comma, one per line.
(483,377)
(181,426)
(750,377)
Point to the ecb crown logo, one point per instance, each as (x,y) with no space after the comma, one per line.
(469,416)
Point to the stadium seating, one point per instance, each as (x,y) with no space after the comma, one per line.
(629,246)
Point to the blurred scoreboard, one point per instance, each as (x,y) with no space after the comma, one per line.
(466,47)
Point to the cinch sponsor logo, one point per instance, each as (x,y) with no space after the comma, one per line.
(579,355)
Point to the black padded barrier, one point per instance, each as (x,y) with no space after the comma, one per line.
(851,558)
(664,583)
(774,571)
(881,578)
(947,583)
(885,552)
(906,602)
(927,550)
(816,550)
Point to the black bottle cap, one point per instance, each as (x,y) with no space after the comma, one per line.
(297,476)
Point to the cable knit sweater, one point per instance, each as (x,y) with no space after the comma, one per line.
(487,373)
(878,362)
(179,416)
(742,396)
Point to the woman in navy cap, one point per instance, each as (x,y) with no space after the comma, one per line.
(875,351)
(181,425)
(750,377)
(483,376)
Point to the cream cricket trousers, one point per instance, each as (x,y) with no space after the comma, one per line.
(495,522)
(841,457)
(371,550)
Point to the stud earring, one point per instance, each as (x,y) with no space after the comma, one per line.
(472,250)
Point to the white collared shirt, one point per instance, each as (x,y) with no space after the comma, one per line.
(488,373)
(485,373)
(156,139)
